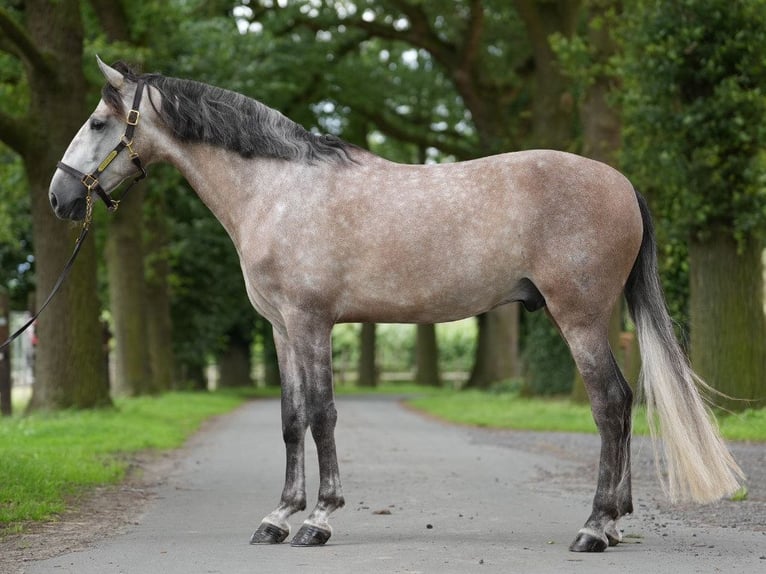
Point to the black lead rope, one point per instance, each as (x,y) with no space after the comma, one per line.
(59,281)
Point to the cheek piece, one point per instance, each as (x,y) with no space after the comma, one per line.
(90,180)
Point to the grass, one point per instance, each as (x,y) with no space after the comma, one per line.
(510,411)
(45,459)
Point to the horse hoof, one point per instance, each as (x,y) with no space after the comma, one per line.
(310,535)
(587,542)
(269,534)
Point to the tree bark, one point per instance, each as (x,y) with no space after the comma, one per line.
(127,293)
(6,407)
(234,365)
(497,348)
(427,356)
(728,320)
(125,265)
(553,104)
(368,371)
(159,325)
(70,371)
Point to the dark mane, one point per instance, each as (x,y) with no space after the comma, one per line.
(197,112)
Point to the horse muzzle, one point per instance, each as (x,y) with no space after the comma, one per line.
(67,200)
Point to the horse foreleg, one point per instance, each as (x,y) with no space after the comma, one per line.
(611,401)
(322,414)
(275,528)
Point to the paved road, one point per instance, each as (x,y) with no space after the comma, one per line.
(457,504)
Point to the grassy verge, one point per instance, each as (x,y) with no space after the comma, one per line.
(508,410)
(46,458)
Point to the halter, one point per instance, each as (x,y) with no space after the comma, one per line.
(90,180)
(91,183)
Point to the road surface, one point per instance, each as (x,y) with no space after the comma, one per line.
(421,496)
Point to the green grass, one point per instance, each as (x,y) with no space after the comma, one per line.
(749,425)
(44,459)
(510,411)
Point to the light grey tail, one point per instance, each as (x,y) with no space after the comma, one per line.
(699,466)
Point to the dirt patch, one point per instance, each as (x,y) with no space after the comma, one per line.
(97,514)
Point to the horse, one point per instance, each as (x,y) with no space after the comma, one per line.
(327,232)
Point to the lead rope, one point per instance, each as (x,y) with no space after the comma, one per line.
(60,281)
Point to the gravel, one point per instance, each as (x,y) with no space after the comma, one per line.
(649,499)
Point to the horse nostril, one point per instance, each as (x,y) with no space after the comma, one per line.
(54,201)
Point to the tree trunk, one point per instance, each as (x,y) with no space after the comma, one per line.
(427,356)
(127,293)
(234,365)
(159,325)
(125,266)
(70,370)
(368,372)
(728,323)
(553,104)
(6,407)
(497,349)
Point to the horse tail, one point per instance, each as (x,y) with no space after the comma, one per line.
(699,466)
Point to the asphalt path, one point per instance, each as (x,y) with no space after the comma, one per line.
(421,496)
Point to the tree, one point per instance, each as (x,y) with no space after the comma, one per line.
(367,374)
(426,356)
(124,251)
(159,326)
(694,108)
(47,38)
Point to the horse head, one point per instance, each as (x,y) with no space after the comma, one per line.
(103,152)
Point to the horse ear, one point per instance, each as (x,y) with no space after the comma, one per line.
(115,78)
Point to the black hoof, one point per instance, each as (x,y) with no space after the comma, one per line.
(310,535)
(585,542)
(268,534)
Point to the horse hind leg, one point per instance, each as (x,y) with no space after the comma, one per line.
(611,401)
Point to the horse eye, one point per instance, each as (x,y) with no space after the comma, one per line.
(97,125)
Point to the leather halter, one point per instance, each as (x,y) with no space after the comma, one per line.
(90,180)
(91,183)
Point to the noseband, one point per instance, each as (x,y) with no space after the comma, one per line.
(90,180)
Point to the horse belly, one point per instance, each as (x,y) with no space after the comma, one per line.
(429,286)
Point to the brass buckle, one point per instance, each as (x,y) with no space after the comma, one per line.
(129,146)
(89,182)
(133,116)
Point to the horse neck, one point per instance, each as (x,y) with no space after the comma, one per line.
(234,188)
